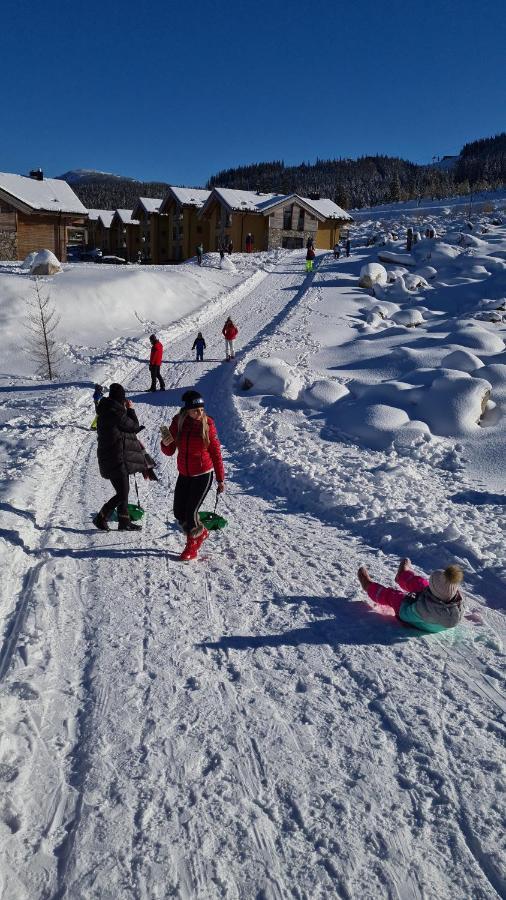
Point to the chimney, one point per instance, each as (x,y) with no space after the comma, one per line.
(37,174)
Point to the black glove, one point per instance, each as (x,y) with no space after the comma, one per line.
(141,428)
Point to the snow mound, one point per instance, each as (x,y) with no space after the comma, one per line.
(28,260)
(375,424)
(404,259)
(426,272)
(45,263)
(453,406)
(272,376)
(463,360)
(227,264)
(477,338)
(323,393)
(394,272)
(408,317)
(436,251)
(414,281)
(372,273)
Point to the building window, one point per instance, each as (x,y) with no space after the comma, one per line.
(292,243)
(199,229)
(300,220)
(287,218)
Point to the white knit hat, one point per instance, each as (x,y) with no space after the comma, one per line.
(441,587)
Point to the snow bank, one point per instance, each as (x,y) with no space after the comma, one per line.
(272,376)
(408,317)
(453,406)
(463,360)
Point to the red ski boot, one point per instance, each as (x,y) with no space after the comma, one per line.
(199,540)
(191,549)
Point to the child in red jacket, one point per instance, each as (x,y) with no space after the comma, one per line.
(230,332)
(193,434)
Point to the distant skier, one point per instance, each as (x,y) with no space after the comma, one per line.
(310,243)
(347,246)
(222,252)
(119,453)
(200,251)
(199,345)
(193,434)
(409,240)
(155,361)
(310,255)
(250,242)
(230,248)
(430,605)
(337,251)
(229,332)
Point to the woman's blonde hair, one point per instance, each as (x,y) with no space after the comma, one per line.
(183,415)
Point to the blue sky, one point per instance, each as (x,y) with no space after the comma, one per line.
(181,90)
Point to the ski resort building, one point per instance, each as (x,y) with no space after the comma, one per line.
(153,230)
(185,227)
(266,221)
(35,214)
(125,238)
(99,229)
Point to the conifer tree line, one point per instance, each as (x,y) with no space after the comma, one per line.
(367,181)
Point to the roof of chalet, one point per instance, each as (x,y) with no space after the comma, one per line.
(106,216)
(125,216)
(95,214)
(195,197)
(324,208)
(256,202)
(148,204)
(48,195)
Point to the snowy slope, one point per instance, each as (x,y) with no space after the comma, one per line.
(248,726)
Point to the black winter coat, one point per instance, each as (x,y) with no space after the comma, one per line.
(117,443)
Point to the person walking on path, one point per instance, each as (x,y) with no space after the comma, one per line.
(337,251)
(229,332)
(193,434)
(430,605)
(222,252)
(230,248)
(310,255)
(347,246)
(200,251)
(199,345)
(120,454)
(155,361)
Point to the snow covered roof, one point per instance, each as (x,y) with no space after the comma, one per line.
(254,201)
(324,209)
(125,216)
(185,197)
(48,195)
(95,214)
(148,204)
(106,216)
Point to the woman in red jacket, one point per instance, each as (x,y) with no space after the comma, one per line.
(230,332)
(193,434)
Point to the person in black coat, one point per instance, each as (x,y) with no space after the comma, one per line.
(119,453)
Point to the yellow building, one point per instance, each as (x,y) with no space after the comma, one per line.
(185,228)
(255,221)
(153,230)
(125,235)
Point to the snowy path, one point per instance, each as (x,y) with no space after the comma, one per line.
(240,727)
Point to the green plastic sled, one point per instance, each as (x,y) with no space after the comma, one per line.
(135,512)
(212,521)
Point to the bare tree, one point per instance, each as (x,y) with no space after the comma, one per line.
(42,322)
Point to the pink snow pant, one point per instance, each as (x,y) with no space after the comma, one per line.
(408,583)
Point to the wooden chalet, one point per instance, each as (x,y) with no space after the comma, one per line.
(35,214)
(266,221)
(125,238)
(185,229)
(153,230)
(99,229)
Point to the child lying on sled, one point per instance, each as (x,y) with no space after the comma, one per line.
(432,605)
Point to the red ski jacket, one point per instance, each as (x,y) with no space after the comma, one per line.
(155,358)
(193,457)
(230,331)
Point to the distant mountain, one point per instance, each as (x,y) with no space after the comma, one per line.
(85,176)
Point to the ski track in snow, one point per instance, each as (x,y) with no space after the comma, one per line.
(244,726)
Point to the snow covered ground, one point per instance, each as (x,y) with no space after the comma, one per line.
(248,726)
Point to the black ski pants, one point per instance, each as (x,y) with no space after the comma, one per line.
(190,493)
(120,481)
(155,375)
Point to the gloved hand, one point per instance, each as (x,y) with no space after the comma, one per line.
(220,487)
(141,428)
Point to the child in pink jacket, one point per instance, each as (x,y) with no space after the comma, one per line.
(431,605)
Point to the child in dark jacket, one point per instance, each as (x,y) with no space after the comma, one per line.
(431,605)
(98,393)
(199,345)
